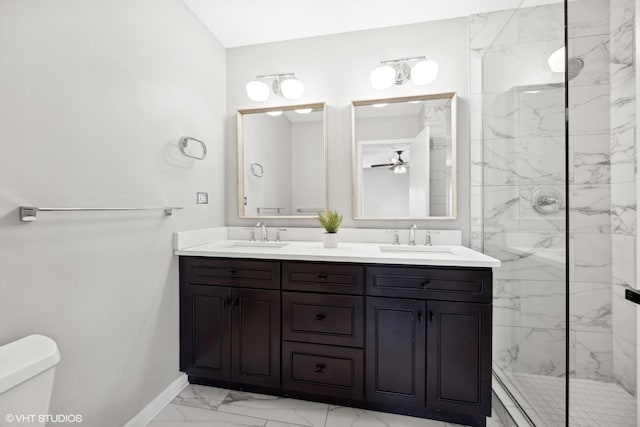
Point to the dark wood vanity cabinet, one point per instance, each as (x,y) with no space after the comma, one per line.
(405,339)
(229,333)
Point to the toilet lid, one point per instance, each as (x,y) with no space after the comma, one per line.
(25,358)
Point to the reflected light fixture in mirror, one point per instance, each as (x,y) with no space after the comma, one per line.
(274,113)
(399,71)
(285,85)
(303,110)
(556,61)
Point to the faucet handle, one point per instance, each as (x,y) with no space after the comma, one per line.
(427,241)
(253,233)
(396,238)
(278,233)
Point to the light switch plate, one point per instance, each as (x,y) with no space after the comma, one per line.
(203,198)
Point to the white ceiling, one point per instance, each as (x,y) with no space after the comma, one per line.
(246,22)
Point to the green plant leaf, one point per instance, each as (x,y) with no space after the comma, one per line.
(331,221)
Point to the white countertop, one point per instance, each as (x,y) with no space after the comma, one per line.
(441,255)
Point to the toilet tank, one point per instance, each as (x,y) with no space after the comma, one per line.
(26,379)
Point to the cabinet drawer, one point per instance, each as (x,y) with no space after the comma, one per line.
(324,370)
(323,319)
(230,272)
(323,277)
(462,284)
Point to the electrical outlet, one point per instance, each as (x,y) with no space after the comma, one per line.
(203,198)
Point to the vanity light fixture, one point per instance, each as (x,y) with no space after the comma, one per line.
(381,105)
(303,110)
(398,72)
(274,113)
(285,85)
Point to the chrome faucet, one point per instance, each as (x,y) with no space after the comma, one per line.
(265,231)
(412,234)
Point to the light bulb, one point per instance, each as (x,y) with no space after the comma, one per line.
(303,110)
(274,113)
(292,88)
(257,91)
(400,169)
(383,77)
(424,72)
(381,105)
(556,61)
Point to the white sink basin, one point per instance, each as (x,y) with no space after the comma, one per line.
(272,245)
(415,249)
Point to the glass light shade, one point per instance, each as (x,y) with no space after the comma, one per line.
(292,88)
(274,113)
(303,110)
(556,61)
(257,91)
(424,72)
(400,169)
(383,77)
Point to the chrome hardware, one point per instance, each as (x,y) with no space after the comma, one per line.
(396,238)
(278,233)
(29,213)
(184,143)
(427,241)
(252,237)
(412,234)
(546,200)
(256,170)
(265,231)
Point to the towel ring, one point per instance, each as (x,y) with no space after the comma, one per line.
(184,142)
(257,170)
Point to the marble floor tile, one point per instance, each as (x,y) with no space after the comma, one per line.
(199,396)
(186,416)
(274,408)
(353,417)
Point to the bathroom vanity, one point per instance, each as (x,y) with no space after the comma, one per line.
(408,333)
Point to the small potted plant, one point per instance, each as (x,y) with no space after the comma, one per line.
(331,221)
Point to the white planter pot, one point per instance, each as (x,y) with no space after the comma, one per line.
(330,240)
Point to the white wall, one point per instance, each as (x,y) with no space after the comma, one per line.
(93,98)
(335,69)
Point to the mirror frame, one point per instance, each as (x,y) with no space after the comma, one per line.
(454,157)
(240,144)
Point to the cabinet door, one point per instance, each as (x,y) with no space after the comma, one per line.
(459,358)
(255,332)
(395,351)
(204,331)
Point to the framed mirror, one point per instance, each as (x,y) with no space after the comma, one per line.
(282,161)
(404,157)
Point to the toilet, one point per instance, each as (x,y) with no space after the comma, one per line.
(26,379)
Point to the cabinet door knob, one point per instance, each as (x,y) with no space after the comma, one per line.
(322,276)
(425,284)
(419,317)
(320,317)
(431,316)
(320,368)
(227,301)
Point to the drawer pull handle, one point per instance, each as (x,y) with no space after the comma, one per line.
(232,271)
(320,317)
(322,276)
(431,316)
(419,317)
(425,284)
(320,368)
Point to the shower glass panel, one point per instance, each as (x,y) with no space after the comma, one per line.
(602,188)
(520,184)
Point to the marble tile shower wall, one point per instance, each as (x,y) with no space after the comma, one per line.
(518,147)
(623,189)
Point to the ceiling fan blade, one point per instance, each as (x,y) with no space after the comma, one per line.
(381,165)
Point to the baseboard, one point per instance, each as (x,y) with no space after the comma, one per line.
(154,407)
